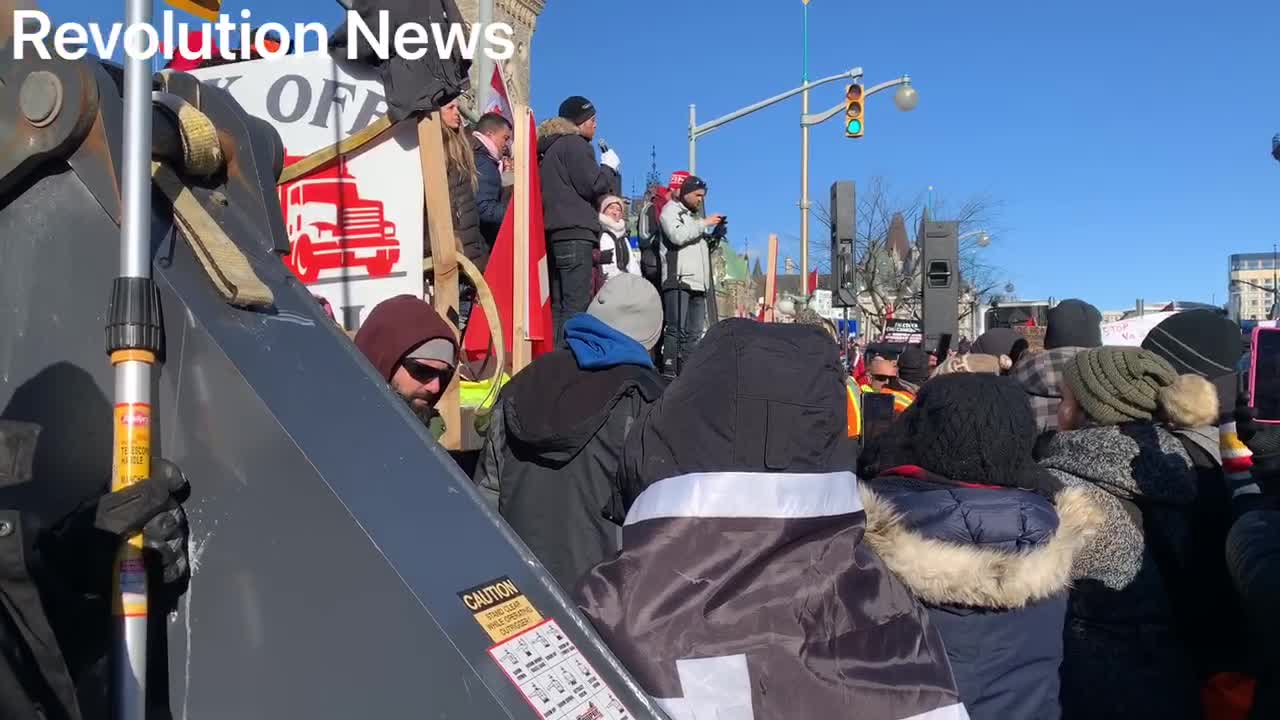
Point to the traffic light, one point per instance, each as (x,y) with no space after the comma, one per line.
(853,120)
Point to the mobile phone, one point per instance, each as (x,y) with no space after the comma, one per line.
(1264,375)
(877,414)
(944,346)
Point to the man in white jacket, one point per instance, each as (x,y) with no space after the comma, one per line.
(686,272)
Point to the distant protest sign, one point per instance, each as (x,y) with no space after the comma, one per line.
(356,226)
(1133,331)
(905,332)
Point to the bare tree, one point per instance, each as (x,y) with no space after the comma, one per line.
(889,275)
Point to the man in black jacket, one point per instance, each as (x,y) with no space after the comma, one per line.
(572,185)
(489,142)
(556,434)
(56,583)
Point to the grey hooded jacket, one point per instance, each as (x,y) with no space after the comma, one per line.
(687,263)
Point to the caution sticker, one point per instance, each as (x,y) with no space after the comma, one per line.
(500,608)
(553,676)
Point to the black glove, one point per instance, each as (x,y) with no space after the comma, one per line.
(1245,418)
(83,546)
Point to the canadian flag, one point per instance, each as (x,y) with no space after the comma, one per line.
(498,100)
(500,276)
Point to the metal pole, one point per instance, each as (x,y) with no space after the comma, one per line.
(484,17)
(693,139)
(804,165)
(132,354)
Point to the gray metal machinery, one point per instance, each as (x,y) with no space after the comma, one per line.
(940,270)
(343,566)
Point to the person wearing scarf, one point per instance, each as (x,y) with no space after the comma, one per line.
(616,255)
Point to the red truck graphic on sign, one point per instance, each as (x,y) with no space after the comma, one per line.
(330,226)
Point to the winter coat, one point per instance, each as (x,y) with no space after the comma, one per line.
(687,260)
(491,206)
(572,182)
(1138,606)
(613,237)
(425,83)
(34,679)
(466,218)
(743,588)
(1253,555)
(993,566)
(553,451)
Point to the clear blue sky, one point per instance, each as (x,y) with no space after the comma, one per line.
(1127,142)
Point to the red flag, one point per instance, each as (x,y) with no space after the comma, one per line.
(500,276)
(813,281)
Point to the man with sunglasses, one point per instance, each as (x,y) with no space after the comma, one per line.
(881,378)
(414,350)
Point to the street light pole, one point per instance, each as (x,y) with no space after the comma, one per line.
(905,100)
(804,164)
(696,131)
(693,139)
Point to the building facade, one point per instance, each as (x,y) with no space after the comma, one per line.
(522,16)
(1251,285)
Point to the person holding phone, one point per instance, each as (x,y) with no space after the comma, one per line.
(686,272)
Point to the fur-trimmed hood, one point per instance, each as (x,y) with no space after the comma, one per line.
(951,573)
(552,129)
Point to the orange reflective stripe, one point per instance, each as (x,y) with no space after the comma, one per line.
(853,411)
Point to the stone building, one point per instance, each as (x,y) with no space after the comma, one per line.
(522,15)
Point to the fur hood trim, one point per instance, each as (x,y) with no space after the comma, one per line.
(942,573)
(556,126)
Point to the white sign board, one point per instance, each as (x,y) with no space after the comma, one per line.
(1133,331)
(356,227)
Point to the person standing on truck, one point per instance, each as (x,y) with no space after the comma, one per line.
(462,201)
(686,272)
(572,185)
(489,143)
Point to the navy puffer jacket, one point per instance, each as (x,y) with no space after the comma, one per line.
(993,565)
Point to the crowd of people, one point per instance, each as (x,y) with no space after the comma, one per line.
(1074,531)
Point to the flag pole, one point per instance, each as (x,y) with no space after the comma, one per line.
(522,147)
(133,343)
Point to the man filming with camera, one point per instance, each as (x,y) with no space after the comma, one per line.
(688,241)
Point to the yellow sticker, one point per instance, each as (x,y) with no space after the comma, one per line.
(133,444)
(500,608)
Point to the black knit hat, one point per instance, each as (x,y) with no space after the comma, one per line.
(1073,323)
(1197,342)
(913,365)
(975,428)
(577,110)
(693,183)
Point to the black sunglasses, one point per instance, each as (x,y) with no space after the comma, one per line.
(423,373)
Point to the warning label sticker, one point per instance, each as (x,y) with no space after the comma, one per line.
(500,608)
(554,677)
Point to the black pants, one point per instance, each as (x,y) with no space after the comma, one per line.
(684,317)
(570,281)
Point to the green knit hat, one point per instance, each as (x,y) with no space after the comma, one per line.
(1119,384)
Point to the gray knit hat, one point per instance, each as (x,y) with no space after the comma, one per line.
(1125,384)
(630,304)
